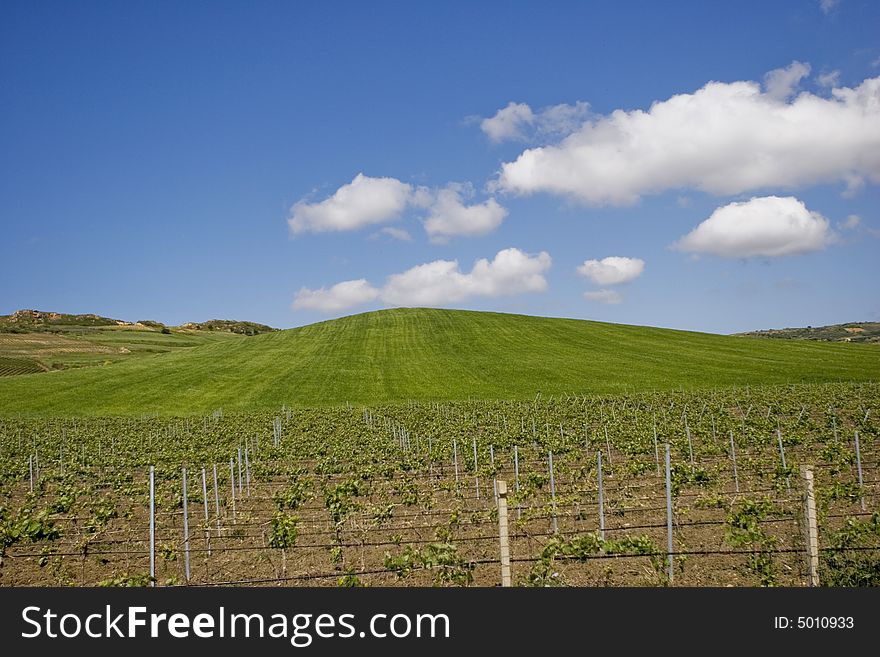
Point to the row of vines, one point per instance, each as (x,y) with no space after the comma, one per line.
(406,494)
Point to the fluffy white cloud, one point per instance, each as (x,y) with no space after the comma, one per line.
(768,226)
(518,122)
(437,283)
(340,296)
(781,83)
(725,138)
(827,6)
(433,283)
(366,201)
(508,122)
(612,270)
(442,282)
(604,296)
(362,202)
(449,216)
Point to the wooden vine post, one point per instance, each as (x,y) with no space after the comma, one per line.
(503,533)
(811,531)
(152,525)
(670,573)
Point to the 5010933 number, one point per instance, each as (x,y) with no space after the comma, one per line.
(814,623)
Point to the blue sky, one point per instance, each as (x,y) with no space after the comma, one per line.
(185,161)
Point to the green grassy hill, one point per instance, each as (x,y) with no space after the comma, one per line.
(430,354)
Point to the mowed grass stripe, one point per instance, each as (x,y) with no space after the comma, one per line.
(401,354)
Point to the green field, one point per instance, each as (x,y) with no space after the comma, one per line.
(403,354)
(72,346)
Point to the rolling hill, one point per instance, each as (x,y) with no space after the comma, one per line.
(868,332)
(38,341)
(401,354)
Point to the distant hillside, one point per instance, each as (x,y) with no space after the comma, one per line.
(852,332)
(230,325)
(416,353)
(34,341)
(23,321)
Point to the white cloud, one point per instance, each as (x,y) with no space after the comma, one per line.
(612,270)
(725,138)
(518,122)
(827,6)
(362,202)
(508,123)
(563,119)
(366,201)
(449,216)
(397,233)
(604,296)
(340,296)
(442,282)
(781,83)
(828,79)
(422,197)
(851,222)
(437,283)
(768,226)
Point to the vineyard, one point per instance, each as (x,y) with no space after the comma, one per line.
(10,366)
(407,494)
